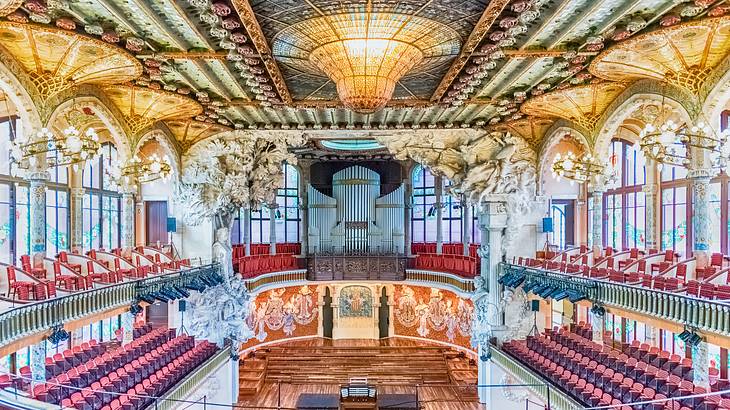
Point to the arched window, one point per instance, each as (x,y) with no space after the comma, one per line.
(287,214)
(101,208)
(450,216)
(423,220)
(625,202)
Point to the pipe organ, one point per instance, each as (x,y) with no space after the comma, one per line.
(356,219)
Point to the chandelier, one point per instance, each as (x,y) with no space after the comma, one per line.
(71,147)
(137,170)
(578,169)
(364,52)
(671,143)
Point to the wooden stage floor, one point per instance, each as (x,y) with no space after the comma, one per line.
(278,391)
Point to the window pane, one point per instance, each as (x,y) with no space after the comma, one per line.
(5,228)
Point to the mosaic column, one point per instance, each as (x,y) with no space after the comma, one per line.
(407,212)
(484,378)
(465,225)
(77,219)
(438,191)
(247,230)
(127,220)
(597,233)
(38,362)
(38,215)
(651,197)
(701,215)
(701,365)
(127,328)
(272,228)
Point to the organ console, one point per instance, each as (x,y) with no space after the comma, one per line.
(358,394)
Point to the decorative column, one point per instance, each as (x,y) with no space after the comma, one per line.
(38,182)
(407,215)
(652,202)
(128,207)
(484,378)
(38,361)
(492,221)
(701,365)
(597,221)
(438,191)
(247,231)
(304,208)
(598,325)
(77,219)
(465,225)
(701,216)
(272,228)
(127,327)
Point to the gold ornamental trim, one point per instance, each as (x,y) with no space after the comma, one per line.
(190,132)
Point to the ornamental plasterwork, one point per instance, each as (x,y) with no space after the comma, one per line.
(189,132)
(716,90)
(531,129)
(23,93)
(58,59)
(582,105)
(683,55)
(9,6)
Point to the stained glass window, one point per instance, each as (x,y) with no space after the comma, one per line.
(674,218)
(450,216)
(101,210)
(423,218)
(287,214)
(624,201)
(57,221)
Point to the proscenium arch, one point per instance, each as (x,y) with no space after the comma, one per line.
(164,140)
(105,115)
(552,138)
(637,94)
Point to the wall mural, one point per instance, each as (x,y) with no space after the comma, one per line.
(283,313)
(433,314)
(356,301)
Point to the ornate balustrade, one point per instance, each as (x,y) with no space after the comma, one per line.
(45,315)
(178,396)
(459,283)
(707,315)
(533,382)
(276,278)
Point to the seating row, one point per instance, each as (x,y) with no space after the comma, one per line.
(252,266)
(466,266)
(418,248)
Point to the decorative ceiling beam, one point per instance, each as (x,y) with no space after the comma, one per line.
(245,12)
(485,22)
(400,103)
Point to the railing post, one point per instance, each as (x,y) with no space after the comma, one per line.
(548,397)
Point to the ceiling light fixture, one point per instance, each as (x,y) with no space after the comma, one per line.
(581,170)
(137,170)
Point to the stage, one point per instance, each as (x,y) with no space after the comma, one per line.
(406,372)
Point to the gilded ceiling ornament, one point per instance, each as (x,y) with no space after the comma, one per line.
(9,6)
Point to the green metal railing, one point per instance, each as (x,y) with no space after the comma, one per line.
(42,316)
(178,395)
(704,314)
(540,387)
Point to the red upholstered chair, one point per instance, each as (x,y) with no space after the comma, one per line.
(67,281)
(668,260)
(38,272)
(63,257)
(123,272)
(21,289)
(92,275)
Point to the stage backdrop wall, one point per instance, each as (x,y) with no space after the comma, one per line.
(432,313)
(283,313)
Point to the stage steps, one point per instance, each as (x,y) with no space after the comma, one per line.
(383,364)
(251,376)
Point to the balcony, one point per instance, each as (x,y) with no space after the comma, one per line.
(43,316)
(704,314)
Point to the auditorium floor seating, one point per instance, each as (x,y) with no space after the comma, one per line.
(599,375)
(446,378)
(124,378)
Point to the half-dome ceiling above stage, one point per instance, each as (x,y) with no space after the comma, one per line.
(352,145)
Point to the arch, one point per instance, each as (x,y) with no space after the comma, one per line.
(717,92)
(21,92)
(639,93)
(106,115)
(553,136)
(166,143)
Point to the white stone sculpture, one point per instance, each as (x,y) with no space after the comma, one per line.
(237,170)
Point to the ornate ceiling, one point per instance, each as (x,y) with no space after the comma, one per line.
(504,64)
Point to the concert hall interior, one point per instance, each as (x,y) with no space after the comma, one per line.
(366,204)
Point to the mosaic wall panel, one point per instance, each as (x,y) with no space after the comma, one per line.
(432,313)
(283,313)
(356,301)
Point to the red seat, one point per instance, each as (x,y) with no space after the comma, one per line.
(17,288)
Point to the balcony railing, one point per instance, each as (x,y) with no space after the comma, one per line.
(540,387)
(276,278)
(707,315)
(440,278)
(175,396)
(29,319)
